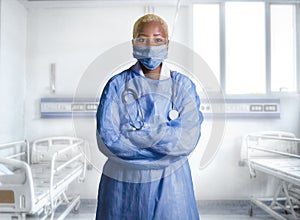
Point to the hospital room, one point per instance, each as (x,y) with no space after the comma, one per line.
(150,109)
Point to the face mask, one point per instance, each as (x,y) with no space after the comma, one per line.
(150,56)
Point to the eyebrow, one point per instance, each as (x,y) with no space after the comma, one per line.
(142,34)
(145,35)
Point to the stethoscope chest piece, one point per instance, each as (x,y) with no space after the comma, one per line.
(173,114)
(129,95)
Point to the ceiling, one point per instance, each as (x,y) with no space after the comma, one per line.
(89,3)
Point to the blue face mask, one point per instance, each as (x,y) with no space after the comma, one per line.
(150,56)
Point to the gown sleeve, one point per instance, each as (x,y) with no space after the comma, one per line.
(111,141)
(174,138)
(181,136)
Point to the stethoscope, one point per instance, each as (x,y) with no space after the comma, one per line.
(172,115)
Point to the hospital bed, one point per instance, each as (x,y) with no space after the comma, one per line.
(34,178)
(276,153)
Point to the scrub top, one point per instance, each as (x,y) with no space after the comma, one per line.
(147,175)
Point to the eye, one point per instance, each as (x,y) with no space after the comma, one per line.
(141,40)
(158,40)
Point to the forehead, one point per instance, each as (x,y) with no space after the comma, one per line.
(151,28)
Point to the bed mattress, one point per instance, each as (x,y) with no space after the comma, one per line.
(282,167)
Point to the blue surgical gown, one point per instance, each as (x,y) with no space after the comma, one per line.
(147,175)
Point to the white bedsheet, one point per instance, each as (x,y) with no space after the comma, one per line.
(287,166)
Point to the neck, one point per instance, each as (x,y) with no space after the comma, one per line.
(152,74)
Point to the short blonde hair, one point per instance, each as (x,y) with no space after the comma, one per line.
(149,18)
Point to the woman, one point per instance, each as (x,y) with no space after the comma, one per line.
(148,122)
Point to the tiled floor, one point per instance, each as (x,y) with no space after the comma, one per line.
(202,217)
(209,210)
(90,216)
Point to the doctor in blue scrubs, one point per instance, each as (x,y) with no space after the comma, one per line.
(148,122)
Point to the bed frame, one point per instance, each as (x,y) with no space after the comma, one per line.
(34,178)
(276,153)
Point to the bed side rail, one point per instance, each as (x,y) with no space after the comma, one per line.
(269,143)
(65,156)
(60,149)
(16,186)
(17,150)
(43,149)
(273,144)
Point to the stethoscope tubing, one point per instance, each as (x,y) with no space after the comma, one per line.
(130,91)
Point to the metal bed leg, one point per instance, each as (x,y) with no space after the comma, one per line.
(288,199)
(23,216)
(65,197)
(250,211)
(73,203)
(288,207)
(76,208)
(277,192)
(52,215)
(268,210)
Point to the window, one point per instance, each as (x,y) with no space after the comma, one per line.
(245,48)
(283,48)
(206,35)
(257,53)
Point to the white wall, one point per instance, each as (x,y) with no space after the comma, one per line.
(73,37)
(224,178)
(12,70)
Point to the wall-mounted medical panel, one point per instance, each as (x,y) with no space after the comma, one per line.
(241,107)
(68,107)
(229,108)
